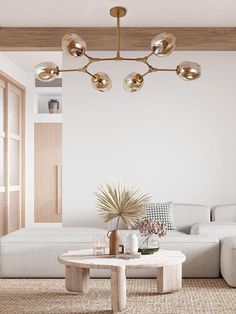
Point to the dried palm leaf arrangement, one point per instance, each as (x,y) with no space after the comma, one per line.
(115,201)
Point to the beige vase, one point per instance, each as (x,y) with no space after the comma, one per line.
(114,241)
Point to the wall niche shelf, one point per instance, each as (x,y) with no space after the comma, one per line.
(47,118)
(43,96)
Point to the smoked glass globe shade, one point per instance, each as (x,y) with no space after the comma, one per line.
(101,82)
(46,71)
(188,70)
(133,82)
(73,45)
(163,44)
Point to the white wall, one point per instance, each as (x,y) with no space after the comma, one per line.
(10,68)
(174,139)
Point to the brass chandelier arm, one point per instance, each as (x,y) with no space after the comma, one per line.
(90,74)
(152,69)
(140,59)
(149,55)
(165,70)
(92,59)
(72,70)
(83,69)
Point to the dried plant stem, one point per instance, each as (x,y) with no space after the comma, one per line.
(146,240)
(117,224)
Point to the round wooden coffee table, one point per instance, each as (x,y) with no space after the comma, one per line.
(78,264)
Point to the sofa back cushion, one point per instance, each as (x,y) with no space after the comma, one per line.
(185,215)
(224,213)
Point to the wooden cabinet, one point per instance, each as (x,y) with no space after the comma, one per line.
(48,140)
(11,156)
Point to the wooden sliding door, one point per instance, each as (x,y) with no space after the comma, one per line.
(11,157)
(48,138)
(14,135)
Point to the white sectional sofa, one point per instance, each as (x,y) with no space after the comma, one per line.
(222,227)
(33,252)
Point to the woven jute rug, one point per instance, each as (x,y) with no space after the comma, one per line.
(49,296)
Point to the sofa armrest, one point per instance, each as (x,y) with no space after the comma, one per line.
(218,230)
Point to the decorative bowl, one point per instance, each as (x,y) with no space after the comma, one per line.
(146,251)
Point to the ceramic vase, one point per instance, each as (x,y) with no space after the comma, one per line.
(114,241)
(53,106)
(131,244)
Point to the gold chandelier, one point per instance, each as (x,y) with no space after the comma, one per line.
(161,45)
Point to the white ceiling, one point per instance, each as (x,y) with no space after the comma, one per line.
(27,60)
(96,13)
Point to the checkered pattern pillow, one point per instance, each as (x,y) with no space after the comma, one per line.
(162,212)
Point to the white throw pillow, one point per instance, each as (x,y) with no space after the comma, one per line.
(162,212)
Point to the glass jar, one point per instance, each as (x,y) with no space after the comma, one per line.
(149,242)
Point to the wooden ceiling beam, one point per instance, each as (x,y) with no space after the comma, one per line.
(104,38)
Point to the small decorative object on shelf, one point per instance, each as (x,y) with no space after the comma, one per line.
(150,230)
(120,202)
(53,106)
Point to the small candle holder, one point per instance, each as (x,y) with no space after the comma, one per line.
(99,244)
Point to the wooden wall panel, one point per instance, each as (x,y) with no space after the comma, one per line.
(14,211)
(48,138)
(2,214)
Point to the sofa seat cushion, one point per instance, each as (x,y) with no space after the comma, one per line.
(52,235)
(228,260)
(219,230)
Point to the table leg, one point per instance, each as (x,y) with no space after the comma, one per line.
(118,289)
(77,279)
(169,278)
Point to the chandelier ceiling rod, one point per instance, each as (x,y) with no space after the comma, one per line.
(118,13)
(161,45)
